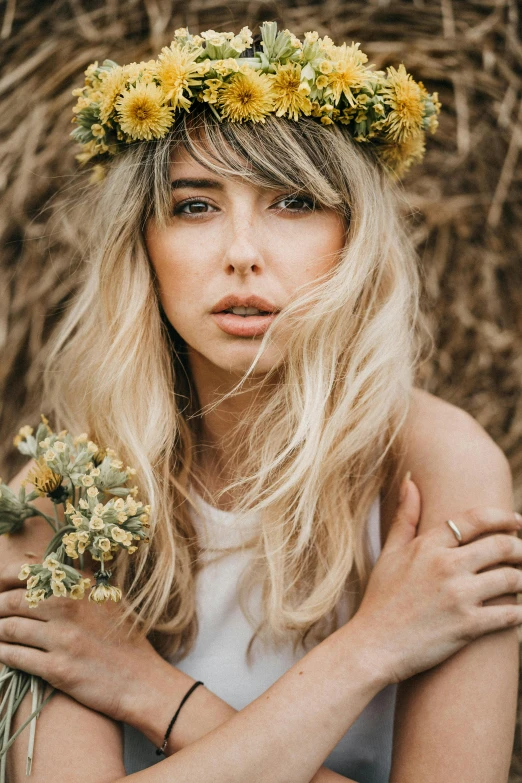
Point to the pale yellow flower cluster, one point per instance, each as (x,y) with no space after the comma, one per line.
(286,76)
(76,468)
(52,577)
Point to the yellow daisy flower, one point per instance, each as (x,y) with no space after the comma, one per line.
(43,478)
(349,72)
(400,156)
(177,71)
(405,97)
(247,96)
(290,93)
(112,84)
(142,113)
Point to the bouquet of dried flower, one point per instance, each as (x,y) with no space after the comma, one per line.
(101,517)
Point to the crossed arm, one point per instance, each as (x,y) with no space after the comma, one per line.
(454,722)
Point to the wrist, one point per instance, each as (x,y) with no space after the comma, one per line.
(150,706)
(366,654)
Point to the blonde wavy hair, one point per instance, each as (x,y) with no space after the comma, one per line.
(327,428)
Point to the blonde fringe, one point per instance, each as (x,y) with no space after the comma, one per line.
(316,453)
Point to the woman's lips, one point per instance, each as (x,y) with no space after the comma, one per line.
(243,326)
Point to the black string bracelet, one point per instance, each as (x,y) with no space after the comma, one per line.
(161,750)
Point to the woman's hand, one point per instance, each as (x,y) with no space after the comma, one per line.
(424,597)
(74,646)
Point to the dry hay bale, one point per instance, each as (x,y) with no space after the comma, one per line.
(466,197)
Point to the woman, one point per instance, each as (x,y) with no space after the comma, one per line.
(283,438)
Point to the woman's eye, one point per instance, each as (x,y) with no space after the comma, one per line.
(195,207)
(297,204)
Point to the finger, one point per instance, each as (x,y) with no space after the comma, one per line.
(490,551)
(14,602)
(482,520)
(22,630)
(28,659)
(487,619)
(498,582)
(404,524)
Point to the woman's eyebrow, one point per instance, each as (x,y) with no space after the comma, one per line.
(196,183)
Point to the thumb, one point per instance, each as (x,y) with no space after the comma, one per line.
(403,528)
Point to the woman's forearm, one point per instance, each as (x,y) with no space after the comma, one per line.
(201,713)
(283,735)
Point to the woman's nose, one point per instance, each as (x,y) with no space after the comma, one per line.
(243,255)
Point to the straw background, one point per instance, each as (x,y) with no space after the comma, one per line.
(466,198)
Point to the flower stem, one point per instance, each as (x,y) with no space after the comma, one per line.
(48,519)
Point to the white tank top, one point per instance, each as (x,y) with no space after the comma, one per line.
(218,657)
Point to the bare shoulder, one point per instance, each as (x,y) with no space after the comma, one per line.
(453,460)
(441,437)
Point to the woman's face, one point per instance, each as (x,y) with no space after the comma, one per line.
(230,238)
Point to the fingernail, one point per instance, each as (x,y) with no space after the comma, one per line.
(518,517)
(404,485)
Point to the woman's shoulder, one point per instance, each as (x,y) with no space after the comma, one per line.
(440,441)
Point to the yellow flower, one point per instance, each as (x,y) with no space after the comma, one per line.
(118,534)
(112,84)
(405,97)
(326,66)
(321,82)
(43,478)
(247,96)
(87,481)
(92,492)
(33,597)
(104,544)
(142,114)
(96,523)
(105,592)
(58,588)
(58,575)
(400,156)
(51,563)
(350,72)
(177,72)
(33,581)
(25,571)
(77,592)
(227,66)
(290,93)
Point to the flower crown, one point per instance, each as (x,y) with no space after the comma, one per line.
(121,104)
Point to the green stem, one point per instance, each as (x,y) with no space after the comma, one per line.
(38,513)
(5,748)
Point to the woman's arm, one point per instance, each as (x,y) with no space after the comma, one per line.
(93,741)
(286,733)
(150,712)
(456,721)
